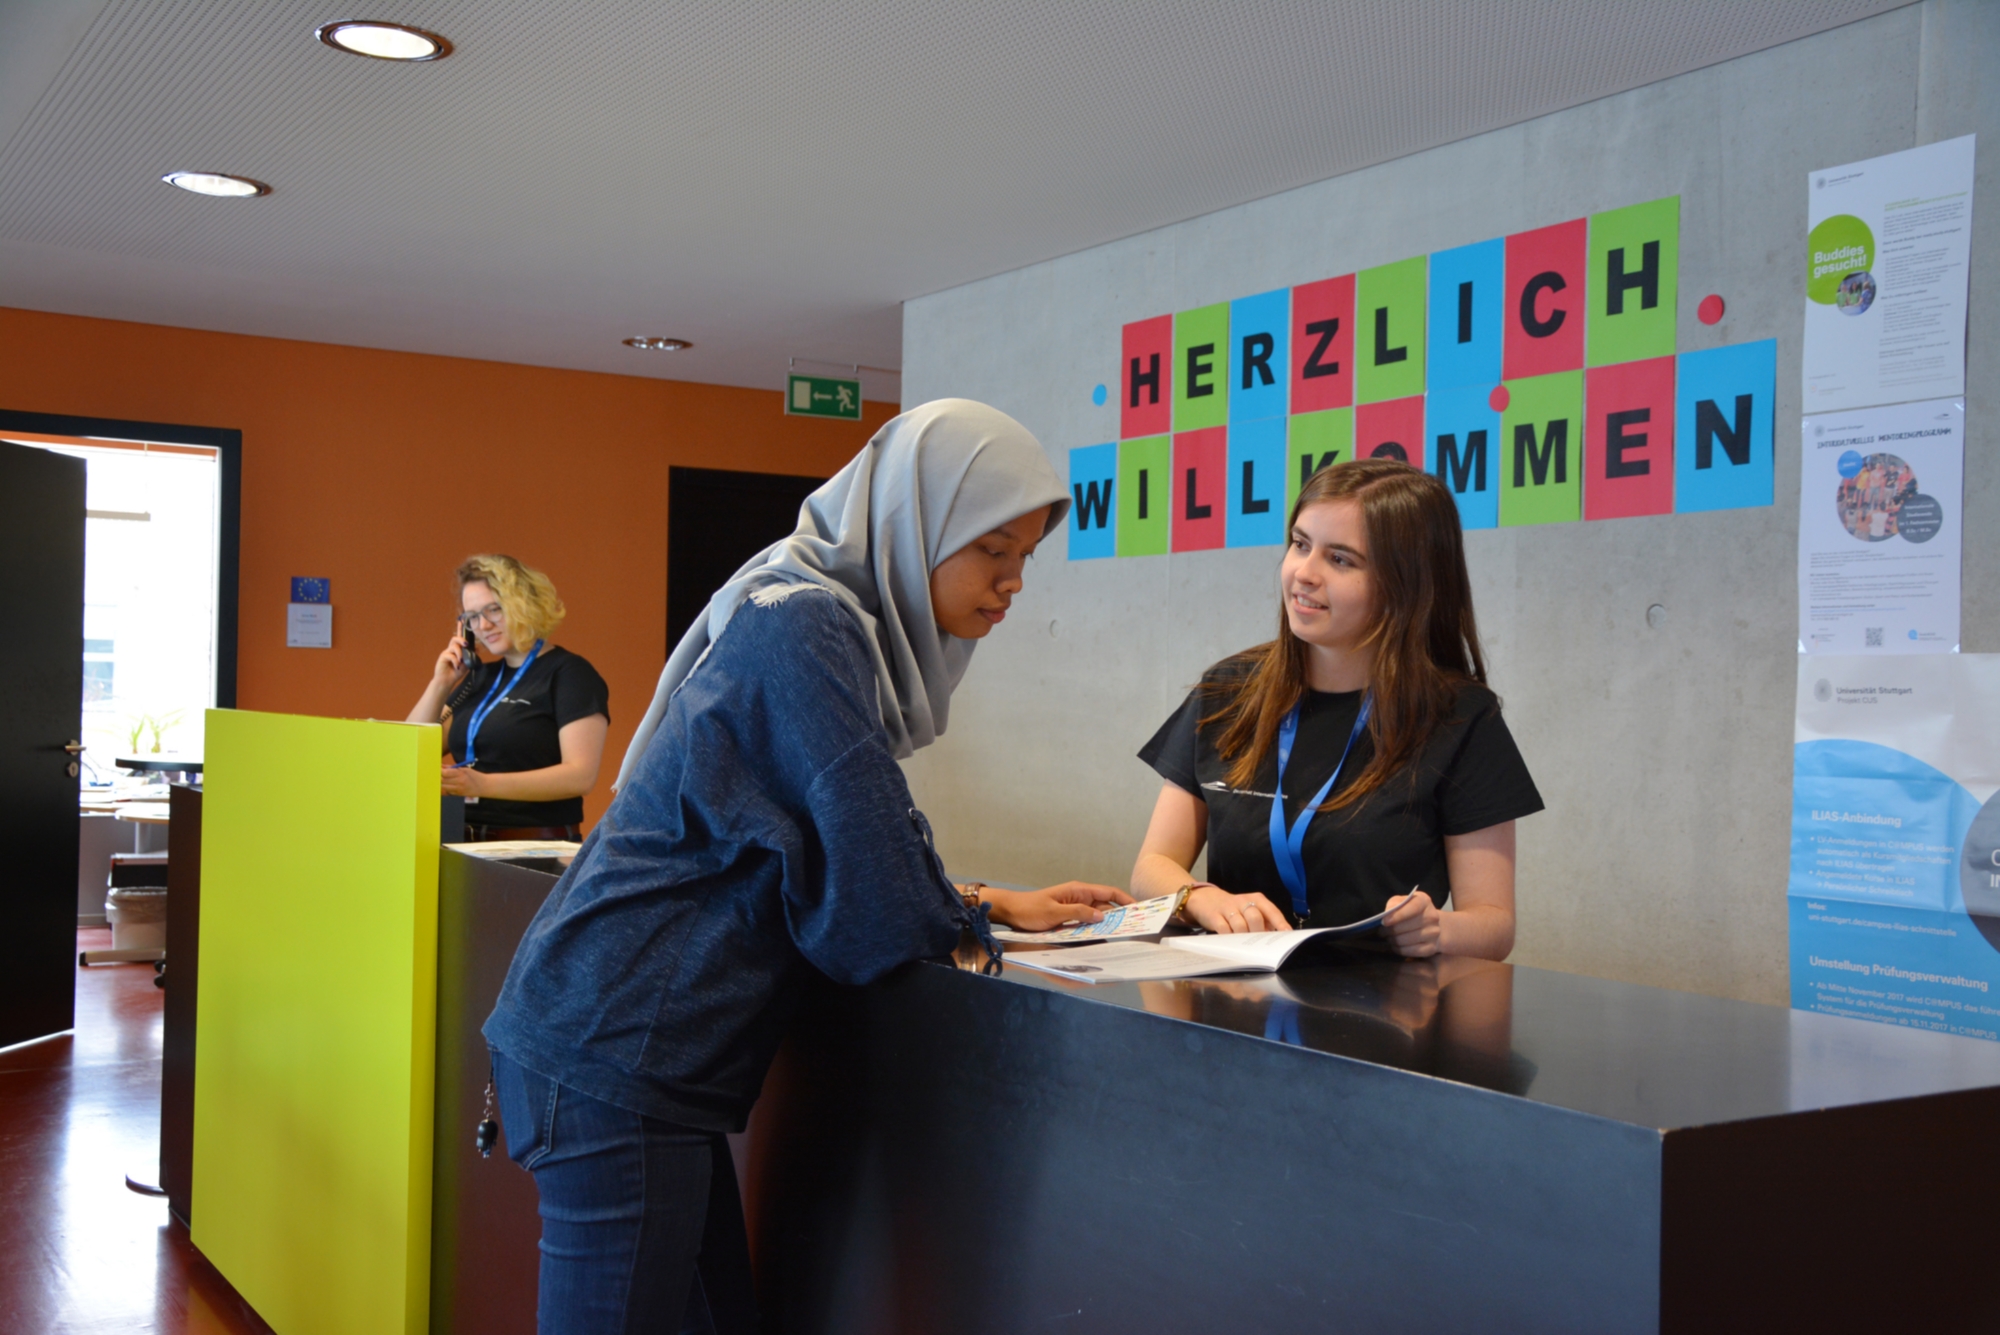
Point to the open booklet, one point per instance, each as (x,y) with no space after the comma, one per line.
(1130,961)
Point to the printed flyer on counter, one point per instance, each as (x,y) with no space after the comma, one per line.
(1895,881)
(1880,522)
(1887,256)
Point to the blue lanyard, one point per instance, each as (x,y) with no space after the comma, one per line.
(494,695)
(1288,848)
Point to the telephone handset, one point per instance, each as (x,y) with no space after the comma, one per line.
(470,646)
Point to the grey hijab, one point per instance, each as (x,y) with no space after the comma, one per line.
(930,481)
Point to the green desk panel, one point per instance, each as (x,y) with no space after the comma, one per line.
(315,1025)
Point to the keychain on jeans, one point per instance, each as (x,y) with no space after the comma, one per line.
(489,1130)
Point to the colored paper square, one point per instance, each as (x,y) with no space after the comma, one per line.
(1257,483)
(1323,345)
(1465,326)
(1635,273)
(1544,306)
(1201,369)
(1389,303)
(1541,463)
(311,589)
(1464,435)
(1628,439)
(1146,405)
(1093,469)
(1723,410)
(1201,489)
(1259,367)
(1315,441)
(1145,495)
(1392,430)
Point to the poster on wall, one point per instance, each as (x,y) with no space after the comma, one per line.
(1887,252)
(1535,374)
(1880,524)
(1894,892)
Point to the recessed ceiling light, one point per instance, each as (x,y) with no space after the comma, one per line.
(383,41)
(659,344)
(220,184)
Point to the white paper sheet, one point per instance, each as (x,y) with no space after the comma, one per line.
(1888,247)
(308,626)
(1881,508)
(501,850)
(1127,961)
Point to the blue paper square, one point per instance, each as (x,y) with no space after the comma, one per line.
(312,589)
(1092,516)
(1467,287)
(1259,369)
(1256,483)
(1464,451)
(1724,399)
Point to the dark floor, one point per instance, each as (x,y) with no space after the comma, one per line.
(78,1251)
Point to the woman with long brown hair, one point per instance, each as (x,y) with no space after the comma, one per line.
(1358,759)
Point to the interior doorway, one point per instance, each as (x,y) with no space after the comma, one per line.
(717,520)
(123,538)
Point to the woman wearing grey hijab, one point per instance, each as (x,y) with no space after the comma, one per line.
(762,833)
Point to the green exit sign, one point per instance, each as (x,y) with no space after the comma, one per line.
(816,396)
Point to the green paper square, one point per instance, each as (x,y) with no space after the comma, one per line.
(1389,315)
(1551,407)
(1195,330)
(1634,330)
(1145,534)
(1314,441)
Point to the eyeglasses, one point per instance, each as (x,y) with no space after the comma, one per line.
(492,614)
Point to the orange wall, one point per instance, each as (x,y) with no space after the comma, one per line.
(382,470)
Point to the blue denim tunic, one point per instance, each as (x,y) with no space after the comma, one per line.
(767,833)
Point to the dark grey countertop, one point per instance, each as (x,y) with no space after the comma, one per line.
(1645,1056)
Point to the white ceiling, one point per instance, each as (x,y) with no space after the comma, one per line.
(769,178)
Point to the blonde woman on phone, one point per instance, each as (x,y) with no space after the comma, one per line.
(524,728)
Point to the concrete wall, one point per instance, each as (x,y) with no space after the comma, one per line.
(1664,752)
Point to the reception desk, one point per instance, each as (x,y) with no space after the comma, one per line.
(484,1226)
(480,1212)
(1361,1144)
(1369,1144)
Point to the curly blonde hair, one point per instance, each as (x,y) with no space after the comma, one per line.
(531,603)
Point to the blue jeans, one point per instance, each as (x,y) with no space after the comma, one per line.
(642,1226)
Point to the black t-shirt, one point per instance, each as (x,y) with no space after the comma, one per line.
(1467,776)
(521,731)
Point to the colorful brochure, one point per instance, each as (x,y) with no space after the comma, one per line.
(1148,917)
